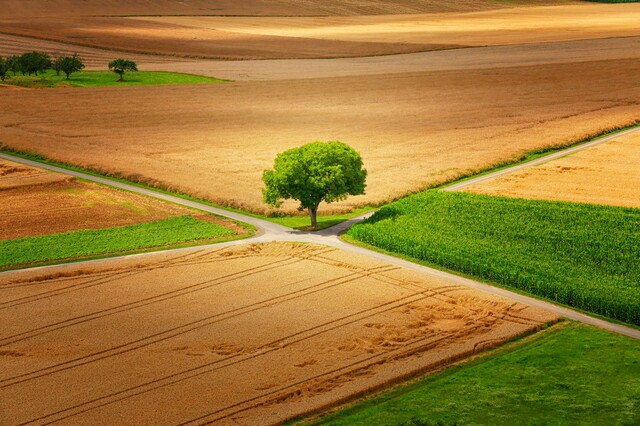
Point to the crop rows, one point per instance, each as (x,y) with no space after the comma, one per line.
(581,255)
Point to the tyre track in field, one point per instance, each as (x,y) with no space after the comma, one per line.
(213,366)
(187,328)
(354,369)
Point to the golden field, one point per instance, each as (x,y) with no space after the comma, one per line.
(418,119)
(605,174)
(254,334)
(413,129)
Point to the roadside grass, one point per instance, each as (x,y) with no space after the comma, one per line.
(176,232)
(107,78)
(302,222)
(584,256)
(568,374)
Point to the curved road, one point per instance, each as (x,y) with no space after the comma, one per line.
(269,232)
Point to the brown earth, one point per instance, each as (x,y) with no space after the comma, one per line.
(253,334)
(330,37)
(413,129)
(50,8)
(605,174)
(38,202)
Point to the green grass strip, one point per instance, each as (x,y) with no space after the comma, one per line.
(580,255)
(90,242)
(107,78)
(569,374)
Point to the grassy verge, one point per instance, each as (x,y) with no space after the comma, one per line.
(580,255)
(92,243)
(107,78)
(568,374)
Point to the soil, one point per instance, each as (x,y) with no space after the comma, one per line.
(51,8)
(38,202)
(254,334)
(335,36)
(605,174)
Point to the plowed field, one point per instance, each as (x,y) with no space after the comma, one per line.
(605,174)
(38,202)
(48,8)
(253,334)
(330,37)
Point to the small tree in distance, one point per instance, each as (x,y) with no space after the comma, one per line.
(314,173)
(35,62)
(121,66)
(4,68)
(71,64)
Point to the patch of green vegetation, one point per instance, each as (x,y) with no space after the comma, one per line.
(568,374)
(581,255)
(301,222)
(107,78)
(89,243)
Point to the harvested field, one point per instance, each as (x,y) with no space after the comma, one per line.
(331,37)
(214,141)
(38,202)
(253,334)
(605,174)
(49,8)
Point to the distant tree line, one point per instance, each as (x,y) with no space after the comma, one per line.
(32,63)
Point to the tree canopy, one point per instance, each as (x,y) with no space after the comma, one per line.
(121,66)
(71,64)
(4,68)
(35,62)
(313,173)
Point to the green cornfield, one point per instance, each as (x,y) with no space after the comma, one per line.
(581,255)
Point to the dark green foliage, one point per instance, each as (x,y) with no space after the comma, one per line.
(86,243)
(70,64)
(13,64)
(582,255)
(568,375)
(34,62)
(121,66)
(4,68)
(313,173)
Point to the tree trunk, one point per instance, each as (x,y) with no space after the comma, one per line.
(121,76)
(67,75)
(313,213)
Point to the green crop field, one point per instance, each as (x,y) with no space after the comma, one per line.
(568,374)
(581,255)
(107,78)
(90,243)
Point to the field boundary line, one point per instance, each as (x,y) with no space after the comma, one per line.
(541,160)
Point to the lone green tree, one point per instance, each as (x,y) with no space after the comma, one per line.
(71,64)
(121,66)
(313,173)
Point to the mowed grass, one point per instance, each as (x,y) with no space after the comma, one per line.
(581,255)
(91,243)
(107,78)
(568,374)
